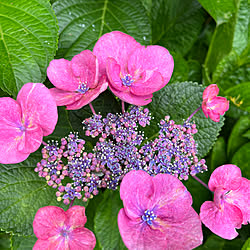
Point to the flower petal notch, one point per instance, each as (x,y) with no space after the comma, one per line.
(134,71)
(157,213)
(25,121)
(231,206)
(214,106)
(57,229)
(77,81)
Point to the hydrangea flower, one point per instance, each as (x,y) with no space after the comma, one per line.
(157,213)
(60,230)
(134,71)
(213,105)
(25,121)
(231,205)
(77,82)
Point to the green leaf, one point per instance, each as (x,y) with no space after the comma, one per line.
(23,242)
(5,241)
(246,246)
(195,72)
(236,140)
(247,134)
(22,193)
(240,95)
(179,101)
(228,36)
(28,42)
(82,22)
(176,24)
(219,154)
(242,158)
(106,228)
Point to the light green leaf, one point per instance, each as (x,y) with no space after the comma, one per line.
(22,193)
(28,42)
(236,140)
(246,246)
(23,242)
(176,24)
(82,22)
(179,101)
(106,227)
(247,134)
(242,158)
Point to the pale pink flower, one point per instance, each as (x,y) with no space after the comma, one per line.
(25,121)
(214,106)
(231,205)
(157,213)
(77,81)
(134,71)
(60,230)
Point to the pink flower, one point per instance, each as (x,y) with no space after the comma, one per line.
(60,230)
(157,213)
(213,105)
(77,82)
(134,71)
(25,121)
(231,205)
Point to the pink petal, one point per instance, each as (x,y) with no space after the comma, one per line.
(89,96)
(227,176)
(53,243)
(38,107)
(136,192)
(132,99)
(221,221)
(210,92)
(136,235)
(241,199)
(61,75)
(155,58)
(85,67)
(143,88)
(214,116)
(76,217)
(63,97)
(31,141)
(10,132)
(186,233)
(48,222)
(82,239)
(116,45)
(219,105)
(171,198)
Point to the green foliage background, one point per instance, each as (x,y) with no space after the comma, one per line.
(209,40)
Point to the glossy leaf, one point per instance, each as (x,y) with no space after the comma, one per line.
(82,22)
(28,42)
(179,101)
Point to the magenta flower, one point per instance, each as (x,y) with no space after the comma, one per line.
(134,71)
(157,213)
(77,82)
(25,121)
(214,106)
(60,230)
(231,205)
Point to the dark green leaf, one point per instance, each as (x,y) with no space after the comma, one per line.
(23,242)
(82,22)
(106,227)
(176,24)
(5,241)
(180,101)
(28,42)
(219,154)
(236,140)
(242,158)
(22,193)
(195,73)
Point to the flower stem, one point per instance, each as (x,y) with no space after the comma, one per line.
(92,108)
(201,182)
(188,119)
(123,107)
(71,203)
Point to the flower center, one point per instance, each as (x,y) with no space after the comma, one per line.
(148,217)
(82,88)
(64,233)
(127,80)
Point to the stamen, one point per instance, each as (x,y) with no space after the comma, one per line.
(82,88)
(148,217)
(127,80)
